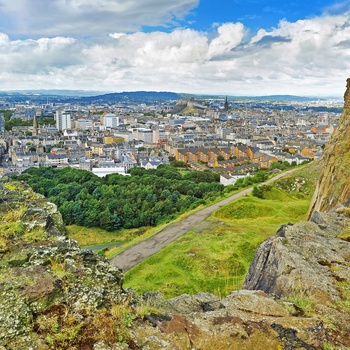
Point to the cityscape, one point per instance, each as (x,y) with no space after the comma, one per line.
(230,137)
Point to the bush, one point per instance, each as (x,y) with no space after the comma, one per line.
(257,192)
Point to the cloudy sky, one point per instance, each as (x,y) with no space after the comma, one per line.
(234,47)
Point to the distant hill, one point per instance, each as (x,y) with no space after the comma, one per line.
(44,92)
(148,97)
(289,98)
(282,98)
(79,96)
(134,96)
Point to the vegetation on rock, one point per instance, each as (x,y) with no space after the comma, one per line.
(334,183)
(52,293)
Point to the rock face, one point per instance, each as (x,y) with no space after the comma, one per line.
(243,320)
(303,257)
(307,262)
(41,269)
(334,184)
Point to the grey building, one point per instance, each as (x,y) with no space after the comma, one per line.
(2,122)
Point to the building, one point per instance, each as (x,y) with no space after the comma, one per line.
(226,105)
(58,159)
(63,120)
(2,122)
(83,124)
(35,127)
(142,134)
(228,179)
(111,120)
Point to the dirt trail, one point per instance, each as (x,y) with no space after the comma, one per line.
(140,251)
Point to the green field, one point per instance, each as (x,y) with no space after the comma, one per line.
(91,236)
(215,256)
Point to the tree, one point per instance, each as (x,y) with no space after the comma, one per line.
(260,176)
(220,158)
(257,192)
(109,221)
(148,197)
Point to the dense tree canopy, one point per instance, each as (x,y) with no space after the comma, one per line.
(146,198)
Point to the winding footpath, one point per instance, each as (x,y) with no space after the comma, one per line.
(140,251)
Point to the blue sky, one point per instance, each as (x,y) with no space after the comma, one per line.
(234,47)
(254,14)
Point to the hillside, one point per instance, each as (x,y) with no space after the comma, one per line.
(214,255)
(55,296)
(296,294)
(84,97)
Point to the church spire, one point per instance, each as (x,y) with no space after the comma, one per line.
(226,105)
(35,127)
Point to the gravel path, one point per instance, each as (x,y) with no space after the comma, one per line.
(140,251)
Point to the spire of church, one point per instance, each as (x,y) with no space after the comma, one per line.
(35,127)
(226,105)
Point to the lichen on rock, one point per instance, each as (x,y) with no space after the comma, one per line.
(333,187)
(41,267)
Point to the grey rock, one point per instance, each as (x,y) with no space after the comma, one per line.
(302,260)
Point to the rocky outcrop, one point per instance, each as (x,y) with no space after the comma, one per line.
(243,320)
(334,183)
(41,269)
(300,257)
(308,263)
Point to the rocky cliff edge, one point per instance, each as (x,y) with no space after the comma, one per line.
(333,186)
(50,290)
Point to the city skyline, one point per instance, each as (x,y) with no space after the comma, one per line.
(234,47)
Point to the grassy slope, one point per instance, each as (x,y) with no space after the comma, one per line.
(90,236)
(215,256)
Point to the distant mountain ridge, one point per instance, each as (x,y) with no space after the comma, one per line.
(84,96)
(135,96)
(71,96)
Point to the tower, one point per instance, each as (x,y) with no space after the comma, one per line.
(63,120)
(226,105)
(35,127)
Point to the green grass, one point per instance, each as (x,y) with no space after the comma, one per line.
(151,231)
(303,301)
(345,235)
(344,289)
(91,236)
(215,256)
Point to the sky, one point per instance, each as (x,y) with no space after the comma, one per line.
(227,47)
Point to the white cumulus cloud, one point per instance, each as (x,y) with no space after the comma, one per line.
(307,57)
(229,36)
(88,17)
